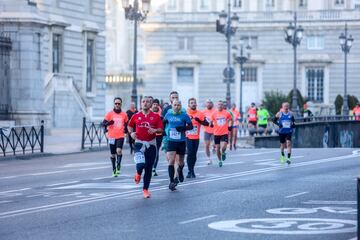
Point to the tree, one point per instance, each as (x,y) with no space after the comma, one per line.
(300,99)
(273,101)
(352,100)
(338,104)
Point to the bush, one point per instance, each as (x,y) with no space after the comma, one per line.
(300,100)
(352,100)
(273,101)
(338,104)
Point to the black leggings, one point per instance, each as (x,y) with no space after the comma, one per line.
(158,145)
(150,154)
(131,144)
(192,146)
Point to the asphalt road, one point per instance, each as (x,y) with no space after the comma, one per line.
(251,197)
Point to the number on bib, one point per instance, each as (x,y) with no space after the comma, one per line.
(221,121)
(175,134)
(112,141)
(286,124)
(139,157)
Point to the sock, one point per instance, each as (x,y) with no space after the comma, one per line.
(113,162)
(171,170)
(118,160)
(289,155)
(282,154)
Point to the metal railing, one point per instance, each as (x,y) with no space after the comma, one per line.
(23,140)
(324,118)
(93,135)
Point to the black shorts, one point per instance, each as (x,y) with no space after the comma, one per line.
(178,147)
(284,137)
(253,123)
(119,143)
(221,138)
(263,125)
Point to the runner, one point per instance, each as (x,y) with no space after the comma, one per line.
(252,119)
(143,127)
(208,131)
(286,122)
(115,123)
(222,122)
(159,136)
(177,123)
(193,136)
(263,116)
(233,133)
(130,113)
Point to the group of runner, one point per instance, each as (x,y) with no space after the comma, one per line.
(177,130)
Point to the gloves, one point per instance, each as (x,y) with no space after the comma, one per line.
(197,119)
(180,129)
(211,125)
(111,122)
(230,128)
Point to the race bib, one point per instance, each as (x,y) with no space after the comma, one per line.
(193,131)
(286,124)
(252,115)
(262,118)
(139,157)
(112,141)
(221,121)
(174,134)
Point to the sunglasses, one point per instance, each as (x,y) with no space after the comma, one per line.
(117,103)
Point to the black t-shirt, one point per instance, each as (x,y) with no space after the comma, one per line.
(130,113)
(164,112)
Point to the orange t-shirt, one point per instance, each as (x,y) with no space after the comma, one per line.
(116,130)
(195,132)
(221,122)
(236,114)
(356,112)
(208,115)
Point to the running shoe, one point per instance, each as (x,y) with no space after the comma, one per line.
(220,163)
(154,173)
(282,159)
(114,173)
(118,168)
(181,174)
(209,162)
(223,156)
(176,181)
(193,175)
(137,178)
(172,186)
(146,193)
(188,175)
(234,146)
(288,161)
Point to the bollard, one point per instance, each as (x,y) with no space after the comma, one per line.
(358,203)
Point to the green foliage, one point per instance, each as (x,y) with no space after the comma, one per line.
(273,101)
(352,100)
(300,99)
(338,104)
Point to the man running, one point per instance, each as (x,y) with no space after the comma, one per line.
(263,116)
(177,123)
(130,113)
(143,127)
(222,122)
(208,131)
(115,123)
(286,122)
(233,133)
(252,118)
(159,136)
(193,136)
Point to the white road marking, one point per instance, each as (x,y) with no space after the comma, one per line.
(265,160)
(197,219)
(63,183)
(8,177)
(15,190)
(5,201)
(71,165)
(132,192)
(355,238)
(330,202)
(297,194)
(45,173)
(93,168)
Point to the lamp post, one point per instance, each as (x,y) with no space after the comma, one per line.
(136,14)
(227,25)
(242,58)
(345,43)
(293,36)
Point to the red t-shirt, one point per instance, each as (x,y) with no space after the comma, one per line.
(142,123)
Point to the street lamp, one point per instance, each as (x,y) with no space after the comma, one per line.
(227,25)
(293,36)
(345,43)
(136,14)
(242,58)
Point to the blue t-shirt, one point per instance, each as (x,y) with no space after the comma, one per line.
(286,121)
(176,120)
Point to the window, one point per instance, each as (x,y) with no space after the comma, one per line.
(250,74)
(56,52)
(185,43)
(237,3)
(172,5)
(356,4)
(339,2)
(315,83)
(89,65)
(302,3)
(270,3)
(315,42)
(251,41)
(185,75)
(38,50)
(204,4)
